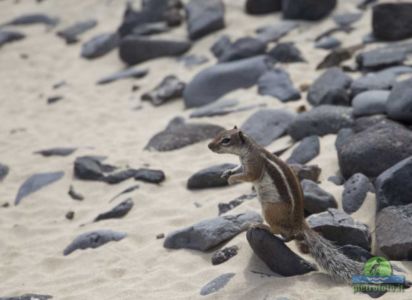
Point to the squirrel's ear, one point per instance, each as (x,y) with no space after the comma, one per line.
(241,137)
(235,127)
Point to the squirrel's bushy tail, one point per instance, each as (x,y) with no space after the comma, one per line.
(329,258)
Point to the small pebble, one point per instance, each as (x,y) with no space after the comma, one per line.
(70,215)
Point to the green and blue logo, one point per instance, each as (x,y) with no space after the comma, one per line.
(378,277)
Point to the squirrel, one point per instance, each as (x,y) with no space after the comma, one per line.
(281,197)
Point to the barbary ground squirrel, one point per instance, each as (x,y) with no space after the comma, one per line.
(281,198)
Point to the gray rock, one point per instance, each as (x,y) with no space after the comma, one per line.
(151,28)
(266,125)
(71,33)
(337,179)
(286,53)
(125,191)
(311,172)
(391,21)
(328,42)
(221,45)
(137,49)
(277,83)
(399,105)
(100,45)
(276,255)
(342,137)
(36,18)
(179,134)
(307,150)
(335,57)
(321,120)
(327,85)
(218,108)
(261,7)
(393,232)
(225,207)
(149,175)
(375,149)
(310,10)
(316,199)
(204,17)
(242,48)
(380,58)
(10,36)
(93,239)
(193,60)
(119,211)
(74,194)
(90,168)
(273,33)
(169,88)
(60,151)
(347,19)
(128,73)
(363,123)
(370,103)
(224,78)
(211,232)
(354,192)
(209,177)
(393,185)
(4,171)
(28,297)
(340,228)
(216,284)
(36,182)
(224,254)
(117,177)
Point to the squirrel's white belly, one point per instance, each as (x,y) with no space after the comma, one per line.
(266,189)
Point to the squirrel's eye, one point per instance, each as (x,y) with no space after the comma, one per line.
(226,141)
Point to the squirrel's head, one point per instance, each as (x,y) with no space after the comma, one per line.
(228,141)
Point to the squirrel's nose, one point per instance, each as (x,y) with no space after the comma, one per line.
(210,146)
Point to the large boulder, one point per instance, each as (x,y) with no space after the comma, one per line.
(310,10)
(393,186)
(204,17)
(399,104)
(392,21)
(375,149)
(393,232)
(224,78)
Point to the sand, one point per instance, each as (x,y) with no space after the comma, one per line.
(103,120)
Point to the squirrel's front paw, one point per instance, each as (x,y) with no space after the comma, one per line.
(226,174)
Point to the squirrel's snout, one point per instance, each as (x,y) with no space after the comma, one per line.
(212,146)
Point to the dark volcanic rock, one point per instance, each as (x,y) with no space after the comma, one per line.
(330,84)
(316,199)
(273,33)
(149,175)
(354,192)
(266,125)
(117,212)
(261,7)
(93,240)
(311,172)
(321,120)
(277,83)
(221,45)
(169,88)
(71,33)
(363,123)
(375,149)
(211,232)
(347,19)
(370,103)
(380,58)
(193,60)
(151,28)
(218,108)
(90,168)
(179,134)
(216,284)
(399,104)
(74,194)
(276,255)
(392,21)
(28,297)
(54,99)
(4,171)
(30,19)
(286,53)
(340,228)
(307,150)
(393,232)
(393,186)
(128,73)
(335,58)
(70,215)
(204,17)
(100,45)
(135,49)
(56,152)
(328,42)
(128,190)
(224,78)
(36,182)
(224,254)
(225,207)
(10,36)
(244,47)
(117,177)
(209,177)
(310,10)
